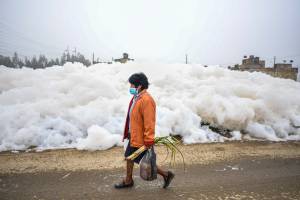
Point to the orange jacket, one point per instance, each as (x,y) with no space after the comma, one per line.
(142,121)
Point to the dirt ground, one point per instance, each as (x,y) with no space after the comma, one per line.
(231,170)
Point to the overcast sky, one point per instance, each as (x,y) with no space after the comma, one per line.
(209,31)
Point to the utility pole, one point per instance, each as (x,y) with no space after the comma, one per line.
(93,58)
(66,55)
(74,57)
(186,59)
(274,66)
(74,51)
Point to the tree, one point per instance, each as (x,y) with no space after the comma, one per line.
(56,61)
(68,56)
(63,59)
(15,60)
(42,62)
(21,63)
(80,58)
(34,63)
(50,63)
(6,61)
(27,62)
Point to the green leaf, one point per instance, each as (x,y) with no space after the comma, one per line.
(170,142)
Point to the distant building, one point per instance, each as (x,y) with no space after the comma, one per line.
(124,59)
(283,66)
(254,64)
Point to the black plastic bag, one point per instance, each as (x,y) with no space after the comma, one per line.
(148,169)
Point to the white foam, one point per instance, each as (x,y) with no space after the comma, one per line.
(85,108)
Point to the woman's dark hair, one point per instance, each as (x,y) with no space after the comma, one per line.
(139,79)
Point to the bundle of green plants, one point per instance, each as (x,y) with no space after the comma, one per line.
(171,144)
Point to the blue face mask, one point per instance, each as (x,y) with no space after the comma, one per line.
(133,91)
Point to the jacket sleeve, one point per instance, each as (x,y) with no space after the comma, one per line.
(148,112)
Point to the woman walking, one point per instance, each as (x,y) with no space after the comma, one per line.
(140,128)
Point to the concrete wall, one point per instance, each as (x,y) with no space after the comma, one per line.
(289,73)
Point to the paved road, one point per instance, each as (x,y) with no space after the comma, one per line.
(249,178)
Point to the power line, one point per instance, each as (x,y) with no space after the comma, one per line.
(5,36)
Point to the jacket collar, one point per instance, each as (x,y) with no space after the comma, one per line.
(141,94)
